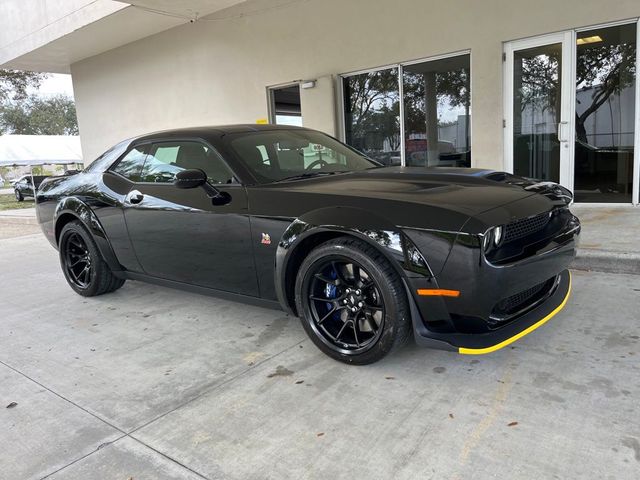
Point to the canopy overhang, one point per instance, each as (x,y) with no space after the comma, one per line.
(38,150)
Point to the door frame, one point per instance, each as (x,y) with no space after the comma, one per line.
(271,107)
(566,128)
(568,92)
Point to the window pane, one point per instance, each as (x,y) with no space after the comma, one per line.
(437,110)
(276,155)
(605,114)
(536,112)
(131,164)
(103,162)
(372,114)
(167,159)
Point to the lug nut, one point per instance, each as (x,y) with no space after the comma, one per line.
(360,304)
(348,290)
(358,292)
(354,309)
(345,301)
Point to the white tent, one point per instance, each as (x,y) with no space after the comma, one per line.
(36,150)
(32,150)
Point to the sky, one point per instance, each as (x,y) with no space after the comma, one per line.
(56,84)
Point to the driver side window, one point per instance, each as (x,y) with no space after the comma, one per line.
(166,159)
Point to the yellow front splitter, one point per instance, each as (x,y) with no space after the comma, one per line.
(510,340)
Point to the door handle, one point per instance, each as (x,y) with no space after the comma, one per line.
(562,134)
(134,197)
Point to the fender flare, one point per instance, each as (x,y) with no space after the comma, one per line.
(75,207)
(330,222)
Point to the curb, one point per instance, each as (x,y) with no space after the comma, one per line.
(607,261)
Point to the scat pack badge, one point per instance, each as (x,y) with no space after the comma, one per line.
(266,239)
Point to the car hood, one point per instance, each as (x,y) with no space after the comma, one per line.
(466,191)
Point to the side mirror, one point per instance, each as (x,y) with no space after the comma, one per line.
(190,179)
(198,178)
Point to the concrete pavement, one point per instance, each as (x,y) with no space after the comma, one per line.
(16,223)
(609,240)
(149,382)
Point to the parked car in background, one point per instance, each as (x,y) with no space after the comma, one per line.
(366,255)
(23,187)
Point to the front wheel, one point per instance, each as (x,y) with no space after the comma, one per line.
(19,196)
(82,264)
(352,302)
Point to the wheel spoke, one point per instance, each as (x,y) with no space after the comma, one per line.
(366,285)
(85,273)
(324,279)
(344,325)
(357,276)
(74,241)
(320,299)
(331,312)
(339,274)
(371,321)
(355,331)
(77,262)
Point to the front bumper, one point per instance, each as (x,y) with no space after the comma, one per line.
(481,343)
(471,322)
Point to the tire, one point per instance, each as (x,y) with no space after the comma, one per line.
(346,274)
(19,196)
(79,253)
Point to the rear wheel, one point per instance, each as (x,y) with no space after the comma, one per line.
(82,264)
(351,302)
(19,196)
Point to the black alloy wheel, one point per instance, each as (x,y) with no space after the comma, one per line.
(346,305)
(82,264)
(19,196)
(77,262)
(351,301)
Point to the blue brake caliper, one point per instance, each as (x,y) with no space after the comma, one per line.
(330,291)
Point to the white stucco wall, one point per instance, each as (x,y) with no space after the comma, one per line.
(216,71)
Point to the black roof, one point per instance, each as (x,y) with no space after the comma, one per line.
(216,130)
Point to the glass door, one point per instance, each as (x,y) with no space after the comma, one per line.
(605,114)
(538,123)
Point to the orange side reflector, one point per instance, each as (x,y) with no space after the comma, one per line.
(438,292)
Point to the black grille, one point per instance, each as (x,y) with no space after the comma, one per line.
(507,307)
(526,226)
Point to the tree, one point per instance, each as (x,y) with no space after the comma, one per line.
(14,84)
(604,69)
(40,116)
(374,107)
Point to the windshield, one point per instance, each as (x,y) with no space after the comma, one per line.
(282,154)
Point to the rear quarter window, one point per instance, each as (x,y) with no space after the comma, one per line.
(104,161)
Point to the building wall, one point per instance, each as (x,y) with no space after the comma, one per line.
(215,71)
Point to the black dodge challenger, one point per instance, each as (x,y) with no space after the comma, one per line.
(464,259)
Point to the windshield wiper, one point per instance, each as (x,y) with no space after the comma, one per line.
(306,175)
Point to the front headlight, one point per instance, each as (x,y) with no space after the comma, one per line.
(486,242)
(492,238)
(497,236)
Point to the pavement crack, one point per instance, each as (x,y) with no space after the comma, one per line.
(99,447)
(215,387)
(62,397)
